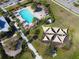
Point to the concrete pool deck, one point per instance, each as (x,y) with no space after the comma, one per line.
(38,15)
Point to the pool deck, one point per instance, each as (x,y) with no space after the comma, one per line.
(38,15)
(19,16)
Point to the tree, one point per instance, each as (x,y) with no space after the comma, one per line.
(33,5)
(76,4)
(10,29)
(2,34)
(1,11)
(12,23)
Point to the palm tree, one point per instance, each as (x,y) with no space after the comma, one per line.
(1,11)
(10,29)
(12,23)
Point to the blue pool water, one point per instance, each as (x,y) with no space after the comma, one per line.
(2,24)
(26,15)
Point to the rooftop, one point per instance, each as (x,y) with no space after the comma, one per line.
(3,24)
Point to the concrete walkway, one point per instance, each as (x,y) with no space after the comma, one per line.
(67,7)
(31,46)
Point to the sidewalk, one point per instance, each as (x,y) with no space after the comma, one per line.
(67,7)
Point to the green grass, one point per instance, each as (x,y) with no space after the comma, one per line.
(0,14)
(26,55)
(63,19)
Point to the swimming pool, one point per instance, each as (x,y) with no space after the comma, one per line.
(26,15)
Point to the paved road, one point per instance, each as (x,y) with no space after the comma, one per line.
(9,3)
(68,5)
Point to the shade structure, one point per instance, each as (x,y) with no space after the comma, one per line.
(49,31)
(62,38)
(65,31)
(45,39)
(55,34)
(45,28)
(56,39)
(60,32)
(55,29)
(50,36)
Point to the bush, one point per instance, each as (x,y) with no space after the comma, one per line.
(2,35)
(75,4)
(33,6)
(67,46)
(37,31)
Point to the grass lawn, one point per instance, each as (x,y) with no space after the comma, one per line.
(18,5)
(26,55)
(64,19)
(0,14)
